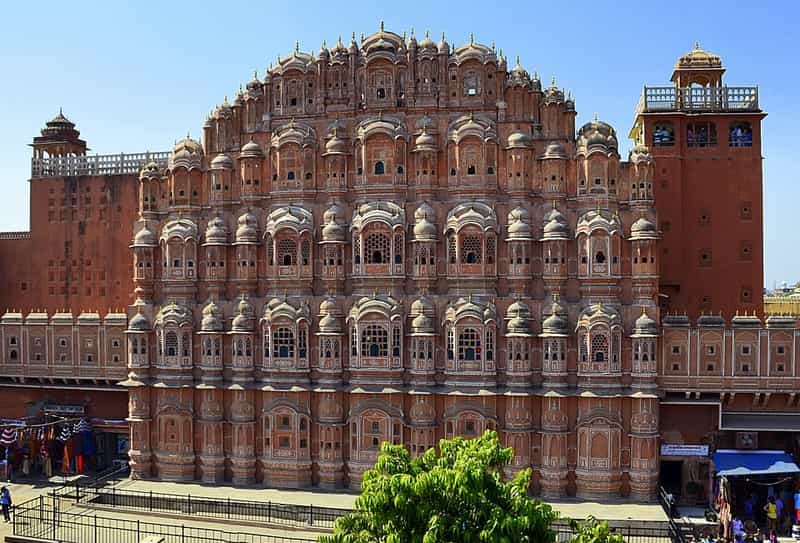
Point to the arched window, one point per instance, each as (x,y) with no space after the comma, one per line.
(377,248)
(283,343)
(599,257)
(374,341)
(185,344)
(471,169)
(380,168)
(740,134)
(663,134)
(290,176)
(171,344)
(381,94)
(469,344)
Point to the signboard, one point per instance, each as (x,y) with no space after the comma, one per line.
(668,449)
(65,409)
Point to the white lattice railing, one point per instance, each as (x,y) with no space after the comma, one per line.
(698,99)
(120,164)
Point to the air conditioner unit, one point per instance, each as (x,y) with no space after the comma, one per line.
(746,440)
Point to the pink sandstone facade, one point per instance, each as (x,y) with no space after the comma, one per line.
(400,241)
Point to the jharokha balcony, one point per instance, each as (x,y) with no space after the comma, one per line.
(698,99)
(77,165)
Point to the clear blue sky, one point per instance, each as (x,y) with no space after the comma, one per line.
(136,75)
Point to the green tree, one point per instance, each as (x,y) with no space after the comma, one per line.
(454,495)
(593,531)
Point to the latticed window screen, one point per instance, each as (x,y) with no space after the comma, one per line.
(490,344)
(207,346)
(449,343)
(185,344)
(374,341)
(398,248)
(354,342)
(357,249)
(469,344)
(287,252)
(302,342)
(331,255)
(305,252)
(330,348)
(217,347)
(490,249)
(471,250)
(395,341)
(283,343)
(599,347)
(377,248)
(451,249)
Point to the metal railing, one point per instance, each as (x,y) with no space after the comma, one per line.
(630,533)
(677,531)
(43,518)
(284,514)
(120,164)
(698,99)
(76,489)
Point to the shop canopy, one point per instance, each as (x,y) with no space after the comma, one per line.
(736,463)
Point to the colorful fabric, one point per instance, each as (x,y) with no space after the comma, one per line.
(8,436)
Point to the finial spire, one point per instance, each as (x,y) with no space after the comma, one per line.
(595,118)
(696,45)
(471,38)
(381,25)
(517,60)
(297,46)
(553,82)
(324,44)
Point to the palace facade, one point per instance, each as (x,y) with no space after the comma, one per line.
(404,241)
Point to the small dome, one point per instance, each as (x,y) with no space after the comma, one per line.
(243,321)
(555,323)
(698,59)
(424,229)
(645,326)
(187,154)
(555,225)
(444,47)
(335,145)
(139,323)
(329,322)
(222,162)
(518,140)
(519,223)
(640,153)
(333,230)
(251,149)
(145,238)
(597,134)
(327,305)
(643,228)
(425,141)
(216,231)
(422,322)
(555,149)
(247,229)
(427,42)
(212,318)
(150,171)
(420,305)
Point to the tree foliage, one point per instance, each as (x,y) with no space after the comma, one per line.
(454,495)
(594,531)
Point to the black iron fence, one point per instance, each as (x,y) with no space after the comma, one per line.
(299,516)
(44,518)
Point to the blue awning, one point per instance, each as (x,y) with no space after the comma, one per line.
(733,463)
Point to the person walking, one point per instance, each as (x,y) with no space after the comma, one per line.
(772,515)
(5,502)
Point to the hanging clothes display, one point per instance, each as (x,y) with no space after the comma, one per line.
(8,437)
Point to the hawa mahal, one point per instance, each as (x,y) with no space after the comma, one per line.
(401,240)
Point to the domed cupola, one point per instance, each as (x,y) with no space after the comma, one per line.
(553,95)
(330,321)
(643,229)
(333,229)
(519,227)
(554,150)
(555,324)
(145,238)
(518,320)
(254,86)
(640,154)
(212,320)
(187,154)
(555,226)
(150,172)
(444,47)
(427,44)
(645,326)
(139,322)
(323,55)
(216,232)
(335,145)
(518,140)
(221,162)
(251,149)
(425,141)
(247,229)
(597,135)
(519,76)
(245,316)
(422,311)
(424,229)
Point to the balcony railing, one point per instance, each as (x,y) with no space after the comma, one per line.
(698,99)
(120,164)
